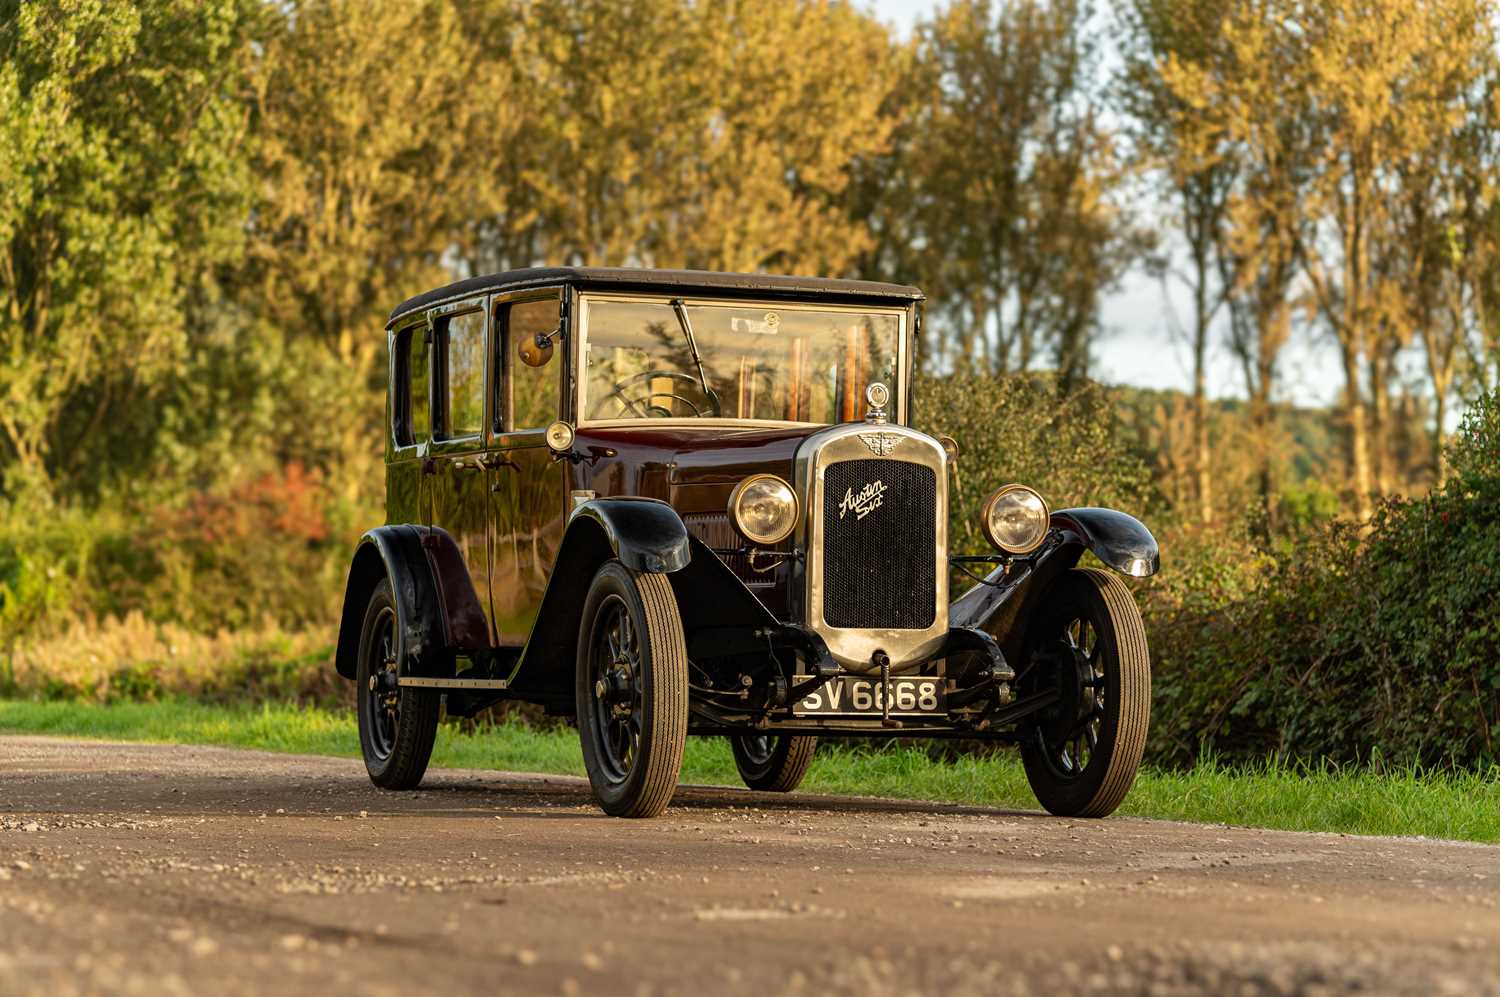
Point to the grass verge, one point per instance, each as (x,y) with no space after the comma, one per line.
(1463,806)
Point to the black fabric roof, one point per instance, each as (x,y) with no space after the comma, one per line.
(623,278)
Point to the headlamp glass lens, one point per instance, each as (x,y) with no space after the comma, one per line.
(1018,520)
(765,509)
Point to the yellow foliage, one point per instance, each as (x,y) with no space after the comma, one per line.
(131,657)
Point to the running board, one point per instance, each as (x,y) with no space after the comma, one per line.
(427,683)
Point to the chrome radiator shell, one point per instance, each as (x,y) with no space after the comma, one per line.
(854,647)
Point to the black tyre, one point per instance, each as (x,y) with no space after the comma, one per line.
(1089,644)
(632,691)
(773,763)
(396,725)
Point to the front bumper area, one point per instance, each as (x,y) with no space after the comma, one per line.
(986,687)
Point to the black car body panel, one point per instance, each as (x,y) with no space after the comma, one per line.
(1116,538)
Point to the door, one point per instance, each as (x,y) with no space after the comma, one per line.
(529,497)
(458,472)
(409,411)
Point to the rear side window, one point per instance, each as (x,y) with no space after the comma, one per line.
(461,359)
(412,410)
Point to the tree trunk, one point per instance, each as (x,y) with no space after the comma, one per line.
(1381,451)
(1440,415)
(1358,439)
(1202,465)
(1260,431)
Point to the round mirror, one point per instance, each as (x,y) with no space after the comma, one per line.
(536,351)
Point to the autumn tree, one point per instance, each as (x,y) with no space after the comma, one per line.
(713,135)
(371,169)
(1380,78)
(124,186)
(1018,216)
(1449,206)
(1190,153)
(1247,94)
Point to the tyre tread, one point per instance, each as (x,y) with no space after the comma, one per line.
(1134,695)
(669,695)
(416,731)
(787,769)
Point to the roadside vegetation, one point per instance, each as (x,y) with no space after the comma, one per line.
(1402,801)
(1330,644)
(211,205)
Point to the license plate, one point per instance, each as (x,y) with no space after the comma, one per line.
(859,696)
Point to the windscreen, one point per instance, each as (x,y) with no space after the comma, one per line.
(650,358)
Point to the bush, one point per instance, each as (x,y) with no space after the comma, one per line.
(133,659)
(1070,445)
(1356,645)
(256,549)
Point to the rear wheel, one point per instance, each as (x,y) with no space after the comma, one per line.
(1088,644)
(397,725)
(632,690)
(773,763)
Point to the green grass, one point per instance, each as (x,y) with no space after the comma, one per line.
(1404,802)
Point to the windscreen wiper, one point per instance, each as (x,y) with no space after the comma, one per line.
(687,330)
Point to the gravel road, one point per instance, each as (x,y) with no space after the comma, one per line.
(156,869)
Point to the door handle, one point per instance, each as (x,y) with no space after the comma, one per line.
(499,460)
(486,462)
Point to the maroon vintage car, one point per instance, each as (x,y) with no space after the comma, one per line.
(667,503)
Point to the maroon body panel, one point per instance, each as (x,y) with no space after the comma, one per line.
(694,470)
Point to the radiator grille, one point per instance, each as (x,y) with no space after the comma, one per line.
(879,545)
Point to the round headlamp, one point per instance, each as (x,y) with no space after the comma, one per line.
(1015,519)
(559,437)
(764,509)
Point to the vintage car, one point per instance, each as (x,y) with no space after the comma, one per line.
(666,503)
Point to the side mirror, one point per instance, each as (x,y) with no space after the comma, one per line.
(537,350)
(950,447)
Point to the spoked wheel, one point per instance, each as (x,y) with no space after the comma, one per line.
(775,763)
(396,725)
(632,691)
(1087,643)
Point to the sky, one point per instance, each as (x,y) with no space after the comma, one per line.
(1138,346)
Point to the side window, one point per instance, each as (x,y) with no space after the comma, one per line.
(461,360)
(533,401)
(412,410)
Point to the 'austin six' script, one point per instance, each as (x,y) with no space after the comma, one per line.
(862,502)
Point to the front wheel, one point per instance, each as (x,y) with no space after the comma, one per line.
(1088,644)
(632,690)
(773,763)
(397,724)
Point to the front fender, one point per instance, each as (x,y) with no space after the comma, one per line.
(1119,540)
(645,534)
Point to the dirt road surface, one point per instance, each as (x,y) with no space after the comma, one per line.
(161,870)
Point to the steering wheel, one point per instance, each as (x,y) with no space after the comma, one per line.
(641,404)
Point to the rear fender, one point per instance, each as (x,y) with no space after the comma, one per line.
(437,609)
